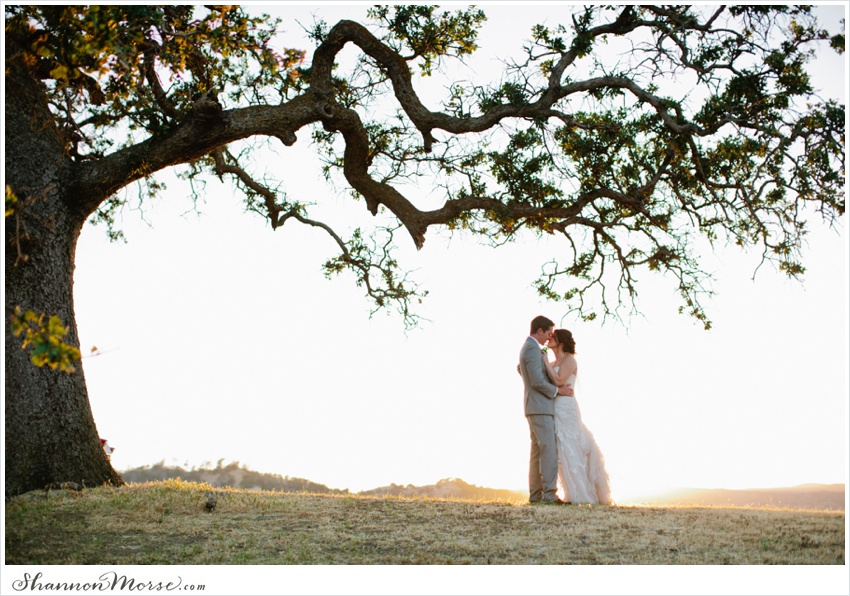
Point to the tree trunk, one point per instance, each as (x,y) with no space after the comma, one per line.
(50,432)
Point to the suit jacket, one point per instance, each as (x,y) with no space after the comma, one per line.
(539,390)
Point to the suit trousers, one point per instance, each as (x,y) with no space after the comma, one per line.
(543,464)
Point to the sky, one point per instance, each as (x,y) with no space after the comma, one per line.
(220,339)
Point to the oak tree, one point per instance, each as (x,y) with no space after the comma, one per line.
(631,132)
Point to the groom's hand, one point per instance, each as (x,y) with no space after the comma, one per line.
(565,390)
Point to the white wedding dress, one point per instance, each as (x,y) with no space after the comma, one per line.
(581,468)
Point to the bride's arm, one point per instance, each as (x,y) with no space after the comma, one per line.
(550,370)
(560,377)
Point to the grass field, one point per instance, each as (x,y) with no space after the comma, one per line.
(166,523)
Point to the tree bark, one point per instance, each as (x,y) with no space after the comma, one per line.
(50,431)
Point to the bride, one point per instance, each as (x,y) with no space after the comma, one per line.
(581,468)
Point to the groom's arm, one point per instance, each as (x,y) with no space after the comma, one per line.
(537,376)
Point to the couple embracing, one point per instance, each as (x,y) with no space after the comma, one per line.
(566,465)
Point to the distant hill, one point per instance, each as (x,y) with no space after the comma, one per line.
(449,487)
(806,496)
(233,474)
(238,476)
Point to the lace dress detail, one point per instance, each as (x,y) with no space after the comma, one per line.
(581,468)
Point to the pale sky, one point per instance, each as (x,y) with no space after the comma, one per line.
(222,339)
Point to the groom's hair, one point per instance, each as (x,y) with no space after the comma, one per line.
(541,322)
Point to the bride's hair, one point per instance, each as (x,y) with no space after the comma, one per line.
(565,338)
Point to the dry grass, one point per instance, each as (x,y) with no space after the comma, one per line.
(165,523)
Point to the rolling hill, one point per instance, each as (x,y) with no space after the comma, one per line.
(829,497)
(806,496)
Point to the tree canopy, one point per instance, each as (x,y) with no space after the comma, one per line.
(583,137)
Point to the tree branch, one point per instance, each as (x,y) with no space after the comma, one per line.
(156,87)
(270,198)
(191,139)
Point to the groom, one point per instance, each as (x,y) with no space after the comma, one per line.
(540,394)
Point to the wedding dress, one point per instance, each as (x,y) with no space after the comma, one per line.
(581,468)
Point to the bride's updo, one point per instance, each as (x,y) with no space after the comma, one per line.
(565,338)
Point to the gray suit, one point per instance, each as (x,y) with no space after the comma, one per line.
(540,395)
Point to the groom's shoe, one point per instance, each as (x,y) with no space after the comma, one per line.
(555,502)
